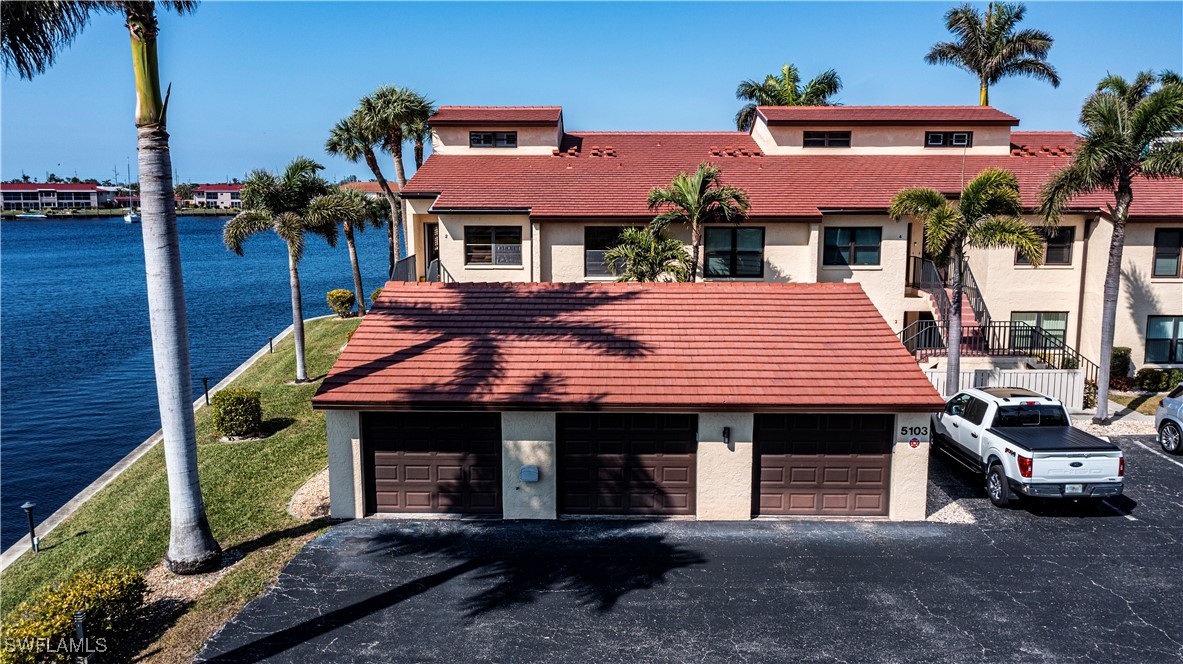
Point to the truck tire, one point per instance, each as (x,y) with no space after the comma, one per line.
(997,486)
(1170,438)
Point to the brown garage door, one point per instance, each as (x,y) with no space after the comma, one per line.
(447,463)
(822,464)
(626,463)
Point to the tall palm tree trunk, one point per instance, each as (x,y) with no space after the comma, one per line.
(191,546)
(984,94)
(694,236)
(418,153)
(297,318)
(1124,196)
(953,335)
(392,200)
(357,289)
(400,176)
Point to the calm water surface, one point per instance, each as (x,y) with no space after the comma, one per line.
(77,390)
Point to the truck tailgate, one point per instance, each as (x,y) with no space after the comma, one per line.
(1085,467)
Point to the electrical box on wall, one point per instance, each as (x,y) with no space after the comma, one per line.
(528,474)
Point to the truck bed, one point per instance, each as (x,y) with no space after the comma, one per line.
(1053,439)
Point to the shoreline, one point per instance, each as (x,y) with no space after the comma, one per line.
(23,545)
(117,213)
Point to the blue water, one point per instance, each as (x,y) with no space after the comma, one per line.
(77,390)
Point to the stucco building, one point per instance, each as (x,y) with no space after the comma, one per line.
(55,196)
(221,196)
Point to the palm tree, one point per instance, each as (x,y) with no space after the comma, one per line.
(386,113)
(1126,124)
(987,215)
(32,35)
(292,204)
(647,255)
(419,133)
(989,46)
(355,140)
(358,212)
(784,89)
(695,199)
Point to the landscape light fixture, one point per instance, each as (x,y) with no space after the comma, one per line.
(28,508)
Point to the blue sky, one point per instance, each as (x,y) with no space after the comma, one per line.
(255,84)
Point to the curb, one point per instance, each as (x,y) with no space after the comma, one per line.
(18,549)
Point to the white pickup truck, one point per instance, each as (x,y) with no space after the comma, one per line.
(1025,445)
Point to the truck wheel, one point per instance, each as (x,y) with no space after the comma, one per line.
(1170,438)
(997,486)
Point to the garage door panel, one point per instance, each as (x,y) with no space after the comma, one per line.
(432,462)
(822,464)
(618,463)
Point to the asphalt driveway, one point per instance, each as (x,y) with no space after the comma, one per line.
(1048,582)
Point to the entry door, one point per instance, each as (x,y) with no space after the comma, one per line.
(431,242)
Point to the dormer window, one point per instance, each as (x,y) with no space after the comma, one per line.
(827,139)
(492,139)
(948,139)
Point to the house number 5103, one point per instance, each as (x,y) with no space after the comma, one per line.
(913,431)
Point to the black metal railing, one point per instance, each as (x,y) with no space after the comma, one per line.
(926,339)
(437,272)
(405,270)
(974,295)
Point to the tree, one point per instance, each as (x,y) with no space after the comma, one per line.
(419,133)
(356,140)
(695,199)
(387,113)
(184,191)
(33,33)
(1126,127)
(292,204)
(990,47)
(647,255)
(348,179)
(784,89)
(987,215)
(358,212)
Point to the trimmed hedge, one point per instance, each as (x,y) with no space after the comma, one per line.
(341,301)
(237,412)
(1158,380)
(41,628)
(1119,361)
(1123,383)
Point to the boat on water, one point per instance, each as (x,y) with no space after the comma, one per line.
(132,217)
(32,215)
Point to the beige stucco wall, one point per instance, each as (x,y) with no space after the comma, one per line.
(528,438)
(908,495)
(452,247)
(531,140)
(343,429)
(987,140)
(724,479)
(1141,294)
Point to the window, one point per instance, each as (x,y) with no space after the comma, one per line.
(597,240)
(852,246)
(826,139)
(733,252)
(948,139)
(1054,323)
(956,405)
(493,139)
(1057,248)
(1031,415)
(492,245)
(975,411)
(1164,339)
(1168,245)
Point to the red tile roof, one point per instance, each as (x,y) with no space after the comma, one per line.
(609,174)
(37,186)
(687,347)
(497,115)
(886,115)
(213,188)
(367,187)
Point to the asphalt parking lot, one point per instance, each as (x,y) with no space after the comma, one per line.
(1047,582)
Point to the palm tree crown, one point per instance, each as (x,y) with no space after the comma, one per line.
(647,255)
(1126,127)
(991,47)
(694,199)
(784,89)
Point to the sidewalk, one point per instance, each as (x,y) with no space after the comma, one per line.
(1123,421)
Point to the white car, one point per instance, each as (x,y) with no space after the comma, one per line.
(1168,421)
(1024,444)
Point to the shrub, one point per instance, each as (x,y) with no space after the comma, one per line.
(341,301)
(1122,383)
(1090,394)
(1174,377)
(1119,361)
(374,296)
(1150,380)
(349,335)
(112,598)
(237,412)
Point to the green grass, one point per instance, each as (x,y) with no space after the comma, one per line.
(1143,403)
(247,486)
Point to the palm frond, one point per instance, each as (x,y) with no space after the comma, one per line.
(918,202)
(993,192)
(245,224)
(942,227)
(1164,160)
(290,227)
(1005,231)
(1066,184)
(1031,68)
(644,255)
(1158,115)
(820,88)
(32,33)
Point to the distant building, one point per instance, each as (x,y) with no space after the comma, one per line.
(223,196)
(370,189)
(57,195)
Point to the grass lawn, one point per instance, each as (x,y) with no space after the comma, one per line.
(247,486)
(1143,403)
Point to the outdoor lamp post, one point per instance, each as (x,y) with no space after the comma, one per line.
(28,508)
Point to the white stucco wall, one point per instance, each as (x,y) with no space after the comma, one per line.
(343,429)
(724,475)
(1141,294)
(531,140)
(872,140)
(528,438)
(908,495)
(452,247)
